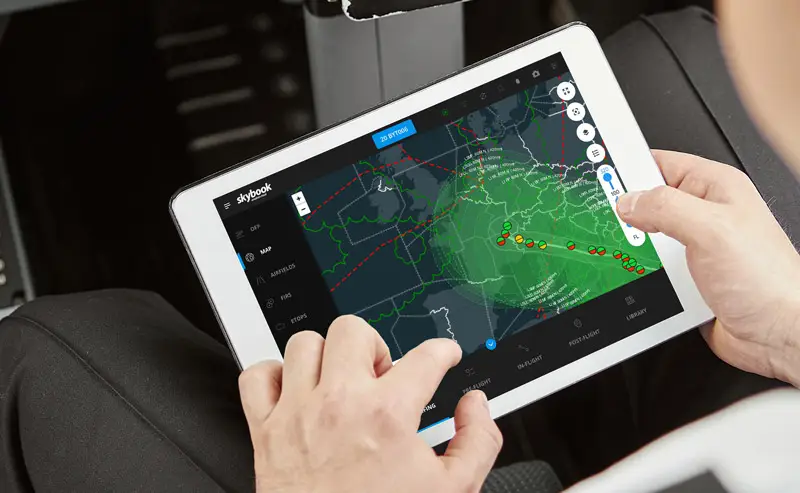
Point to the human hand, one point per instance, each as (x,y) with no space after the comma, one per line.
(338,417)
(743,263)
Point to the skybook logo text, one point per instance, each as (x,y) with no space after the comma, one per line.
(254,194)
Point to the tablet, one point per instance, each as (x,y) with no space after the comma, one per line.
(480,208)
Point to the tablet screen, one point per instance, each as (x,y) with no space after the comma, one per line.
(488,219)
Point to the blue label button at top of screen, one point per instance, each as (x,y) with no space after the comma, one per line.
(394,134)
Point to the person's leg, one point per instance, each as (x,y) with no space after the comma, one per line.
(672,72)
(116,391)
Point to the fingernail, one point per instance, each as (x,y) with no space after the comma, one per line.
(627,203)
(484,399)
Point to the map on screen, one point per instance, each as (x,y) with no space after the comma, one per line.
(480,228)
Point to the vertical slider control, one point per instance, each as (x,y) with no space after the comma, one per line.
(609,180)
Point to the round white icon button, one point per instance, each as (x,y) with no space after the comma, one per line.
(586,132)
(596,153)
(576,112)
(566,91)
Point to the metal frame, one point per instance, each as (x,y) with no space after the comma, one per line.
(5,189)
(16,232)
(357,65)
(11,6)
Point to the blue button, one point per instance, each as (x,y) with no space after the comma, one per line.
(394,134)
(491,344)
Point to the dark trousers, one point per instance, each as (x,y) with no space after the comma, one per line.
(116,391)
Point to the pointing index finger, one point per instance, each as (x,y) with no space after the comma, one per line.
(417,375)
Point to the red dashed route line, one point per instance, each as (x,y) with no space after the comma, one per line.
(378,168)
(348,184)
(418,226)
(432,165)
(466,130)
(560,177)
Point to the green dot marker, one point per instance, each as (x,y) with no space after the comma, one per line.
(507,226)
(632,262)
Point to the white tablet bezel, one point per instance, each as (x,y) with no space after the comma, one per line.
(236,306)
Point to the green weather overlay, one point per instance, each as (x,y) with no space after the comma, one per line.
(528,238)
(506,228)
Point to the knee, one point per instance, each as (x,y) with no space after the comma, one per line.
(104,307)
(94,320)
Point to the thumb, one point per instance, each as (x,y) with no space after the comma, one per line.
(667,210)
(472,452)
(260,388)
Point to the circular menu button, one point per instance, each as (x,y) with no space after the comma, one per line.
(576,112)
(596,153)
(566,91)
(586,132)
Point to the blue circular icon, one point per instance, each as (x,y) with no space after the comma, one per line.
(491,344)
(607,177)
